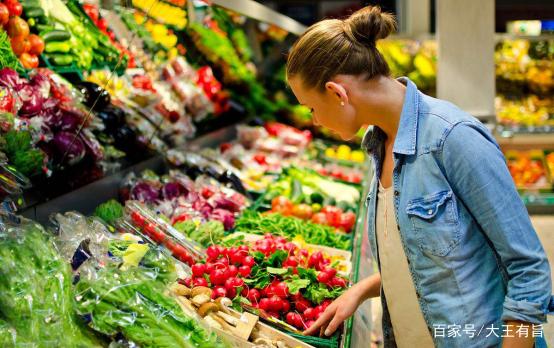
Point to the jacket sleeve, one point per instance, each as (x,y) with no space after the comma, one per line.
(477,171)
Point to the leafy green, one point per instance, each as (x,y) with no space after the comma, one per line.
(109,211)
(295,284)
(206,234)
(290,227)
(134,304)
(18,148)
(317,292)
(276,259)
(36,298)
(7,57)
(278,271)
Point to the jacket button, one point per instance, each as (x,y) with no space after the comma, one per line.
(396,193)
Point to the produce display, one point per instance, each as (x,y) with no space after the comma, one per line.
(530,170)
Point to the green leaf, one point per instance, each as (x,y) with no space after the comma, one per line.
(259,257)
(277,258)
(295,284)
(278,271)
(307,274)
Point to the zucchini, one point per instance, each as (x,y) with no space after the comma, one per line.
(56,35)
(34,12)
(60,59)
(43,29)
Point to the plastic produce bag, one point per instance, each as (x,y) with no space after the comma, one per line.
(36,298)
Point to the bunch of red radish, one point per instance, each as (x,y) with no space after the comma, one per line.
(226,269)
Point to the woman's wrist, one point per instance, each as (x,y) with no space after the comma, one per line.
(370,287)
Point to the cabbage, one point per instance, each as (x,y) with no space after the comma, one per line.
(31,98)
(93,147)
(145,192)
(227,204)
(71,119)
(70,145)
(172,190)
(203,208)
(42,84)
(10,78)
(225,216)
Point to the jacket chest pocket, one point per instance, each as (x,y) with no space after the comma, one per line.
(435,221)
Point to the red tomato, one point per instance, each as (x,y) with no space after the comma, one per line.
(137,219)
(319,218)
(282,205)
(14,8)
(29,61)
(260,159)
(224,147)
(17,27)
(20,45)
(302,211)
(333,215)
(154,233)
(4,15)
(347,221)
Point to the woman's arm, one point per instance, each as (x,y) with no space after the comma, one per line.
(477,172)
(346,304)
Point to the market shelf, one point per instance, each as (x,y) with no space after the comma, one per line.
(525,141)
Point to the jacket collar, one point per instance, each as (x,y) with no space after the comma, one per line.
(406,137)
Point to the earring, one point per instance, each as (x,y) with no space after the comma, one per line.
(341,103)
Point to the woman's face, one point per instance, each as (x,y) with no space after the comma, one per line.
(330,108)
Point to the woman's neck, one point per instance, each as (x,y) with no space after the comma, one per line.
(380,102)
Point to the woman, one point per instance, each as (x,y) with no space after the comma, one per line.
(459,262)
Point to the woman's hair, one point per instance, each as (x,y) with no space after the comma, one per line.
(335,46)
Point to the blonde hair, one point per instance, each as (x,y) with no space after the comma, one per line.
(335,46)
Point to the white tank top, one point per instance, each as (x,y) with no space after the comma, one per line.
(410,329)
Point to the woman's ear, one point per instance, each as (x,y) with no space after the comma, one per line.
(338,91)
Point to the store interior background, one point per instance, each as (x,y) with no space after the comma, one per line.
(418,19)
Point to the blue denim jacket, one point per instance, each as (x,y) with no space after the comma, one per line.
(473,254)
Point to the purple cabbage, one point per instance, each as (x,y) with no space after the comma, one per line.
(73,147)
(225,216)
(10,78)
(172,190)
(31,100)
(71,119)
(145,192)
(42,84)
(92,145)
(203,207)
(227,204)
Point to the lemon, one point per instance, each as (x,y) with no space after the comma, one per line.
(330,152)
(343,151)
(357,156)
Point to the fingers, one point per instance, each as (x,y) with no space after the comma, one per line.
(334,324)
(322,321)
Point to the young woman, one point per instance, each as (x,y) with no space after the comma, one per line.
(459,262)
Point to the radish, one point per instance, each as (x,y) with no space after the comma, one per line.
(264,304)
(198,269)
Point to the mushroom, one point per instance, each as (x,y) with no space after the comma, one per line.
(201,299)
(197,290)
(263,342)
(180,290)
(207,308)
(224,303)
(213,323)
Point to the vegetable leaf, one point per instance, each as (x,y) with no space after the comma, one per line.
(295,284)
(279,271)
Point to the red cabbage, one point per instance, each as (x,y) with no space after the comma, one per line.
(172,190)
(227,204)
(71,118)
(32,100)
(92,145)
(145,192)
(203,207)
(10,78)
(73,148)
(225,216)
(41,84)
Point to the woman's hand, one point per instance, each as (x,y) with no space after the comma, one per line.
(345,305)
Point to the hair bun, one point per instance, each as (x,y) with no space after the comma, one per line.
(368,25)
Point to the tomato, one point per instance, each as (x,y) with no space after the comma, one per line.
(154,233)
(264,304)
(137,219)
(217,277)
(224,147)
(17,27)
(7,101)
(198,269)
(180,252)
(200,281)
(319,218)
(207,192)
(20,45)
(4,15)
(302,211)
(260,159)
(180,218)
(14,8)
(253,295)
(244,271)
(333,215)
(347,221)
(219,291)
(323,277)
(28,61)
(282,205)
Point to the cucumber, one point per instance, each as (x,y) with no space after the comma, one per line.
(33,12)
(56,35)
(60,59)
(43,29)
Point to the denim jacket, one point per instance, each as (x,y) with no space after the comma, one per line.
(473,254)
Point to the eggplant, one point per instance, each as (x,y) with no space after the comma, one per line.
(95,97)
